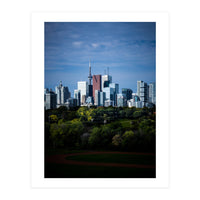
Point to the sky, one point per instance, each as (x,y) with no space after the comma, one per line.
(127,48)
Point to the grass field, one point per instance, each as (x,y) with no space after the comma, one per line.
(63,170)
(115,158)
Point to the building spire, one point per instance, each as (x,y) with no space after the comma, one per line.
(90,76)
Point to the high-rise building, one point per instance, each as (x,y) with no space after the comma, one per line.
(77,95)
(96,84)
(83,87)
(109,93)
(121,100)
(62,93)
(106,80)
(97,98)
(89,101)
(142,91)
(108,103)
(71,102)
(127,93)
(115,86)
(102,98)
(135,97)
(90,92)
(50,100)
(152,93)
(46,90)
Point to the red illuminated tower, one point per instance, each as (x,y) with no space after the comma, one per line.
(96,83)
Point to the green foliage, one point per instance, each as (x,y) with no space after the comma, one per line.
(53,118)
(95,137)
(137,114)
(117,140)
(131,129)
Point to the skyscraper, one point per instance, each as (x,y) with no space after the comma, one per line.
(106,80)
(142,91)
(62,93)
(127,93)
(97,98)
(83,87)
(90,92)
(77,95)
(50,100)
(121,100)
(109,93)
(152,93)
(102,98)
(96,84)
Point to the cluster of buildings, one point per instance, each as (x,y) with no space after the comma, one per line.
(99,90)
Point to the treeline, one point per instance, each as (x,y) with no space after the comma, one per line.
(124,129)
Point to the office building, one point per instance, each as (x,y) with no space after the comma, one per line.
(50,100)
(121,100)
(109,93)
(83,88)
(142,91)
(102,98)
(108,103)
(89,101)
(127,93)
(77,95)
(62,93)
(135,97)
(71,102)
(152,93)
(97,98)
(106,80)
(96,84)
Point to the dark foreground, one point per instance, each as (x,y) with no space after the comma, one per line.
(100,165)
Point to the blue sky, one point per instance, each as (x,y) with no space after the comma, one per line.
(128,49)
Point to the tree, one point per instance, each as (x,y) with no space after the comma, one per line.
(95,137)
(129,141)
(117,140)
(53,118)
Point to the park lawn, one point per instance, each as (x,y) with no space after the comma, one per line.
(115,158)
(80,171)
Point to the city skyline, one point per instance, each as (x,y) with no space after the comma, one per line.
(128,49)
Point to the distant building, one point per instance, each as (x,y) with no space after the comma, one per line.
(115,86)
(152,93)
(77,95)
(109,93)
(83,87)
(62,93)
(90,101)
(97,98)
(50,100)
(96,84)
(121,100)
(71,102)
(135,97)
(106,80)
(83,100)
(142,91)
(102,98)
(46,90)
(127,93)
(131,103)
(90,87)
(108,103)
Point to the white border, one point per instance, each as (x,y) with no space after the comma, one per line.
(162,100)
